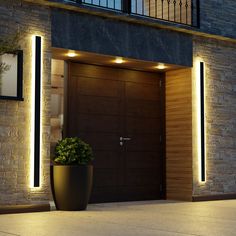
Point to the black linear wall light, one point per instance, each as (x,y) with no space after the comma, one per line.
(37,108)
(202,109)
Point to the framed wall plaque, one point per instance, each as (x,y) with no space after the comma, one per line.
(11,79)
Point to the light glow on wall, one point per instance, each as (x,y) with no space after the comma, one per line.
(36,112)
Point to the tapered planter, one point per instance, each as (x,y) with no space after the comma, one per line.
(71,186)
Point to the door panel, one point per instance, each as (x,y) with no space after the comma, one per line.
(95,87)
(143,143)
(98,123)
(142,125)
(101,141)
(142,91)
(141,177)
(142,108)
(105,104)
(106,159)
(135,160)
(105,178)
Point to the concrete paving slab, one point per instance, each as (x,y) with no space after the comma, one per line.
(151,218)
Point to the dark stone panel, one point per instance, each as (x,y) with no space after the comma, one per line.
(89,33)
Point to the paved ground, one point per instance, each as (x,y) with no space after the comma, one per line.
(162,218)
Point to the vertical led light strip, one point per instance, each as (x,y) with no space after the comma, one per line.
(36,109)
(202,110)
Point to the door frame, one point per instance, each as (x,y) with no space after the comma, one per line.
(163,135)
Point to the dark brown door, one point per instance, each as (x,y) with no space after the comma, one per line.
(117,111)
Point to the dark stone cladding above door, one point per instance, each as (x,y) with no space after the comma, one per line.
(85,32)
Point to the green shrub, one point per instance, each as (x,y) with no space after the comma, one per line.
(72,151)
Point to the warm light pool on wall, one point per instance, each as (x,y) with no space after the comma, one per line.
(36,110)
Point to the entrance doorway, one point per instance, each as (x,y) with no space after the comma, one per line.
(118,112)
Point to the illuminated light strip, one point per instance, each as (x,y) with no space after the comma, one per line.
(202,127)
(36,110)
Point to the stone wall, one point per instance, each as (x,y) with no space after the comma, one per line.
(220,86)
(218,17)
(15,116)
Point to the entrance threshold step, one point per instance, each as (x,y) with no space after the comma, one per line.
(13,209)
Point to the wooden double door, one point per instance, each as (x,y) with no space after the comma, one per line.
(118,112)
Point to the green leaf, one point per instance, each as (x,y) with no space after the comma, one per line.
(72,151)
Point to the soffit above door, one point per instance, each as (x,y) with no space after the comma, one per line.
(113,61)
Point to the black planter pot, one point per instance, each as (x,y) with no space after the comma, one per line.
(71,186)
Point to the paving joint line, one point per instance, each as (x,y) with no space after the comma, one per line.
(9,233)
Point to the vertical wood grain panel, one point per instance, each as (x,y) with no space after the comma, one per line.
(179,135)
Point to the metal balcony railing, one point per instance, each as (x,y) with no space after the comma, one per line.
(179,11)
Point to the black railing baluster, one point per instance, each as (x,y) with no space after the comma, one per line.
(149,13)
(162,9)
(186,7)
(174,2)
(155,8)
(180,10)
(168,9)
(142,7)
(126,6)
(197,12)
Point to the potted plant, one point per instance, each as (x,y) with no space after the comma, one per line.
(72,174)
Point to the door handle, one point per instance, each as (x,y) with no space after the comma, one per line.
(122,139)
(125,139)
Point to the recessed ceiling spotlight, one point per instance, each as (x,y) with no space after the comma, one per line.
(71,54)
(119,60)
(160,66)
